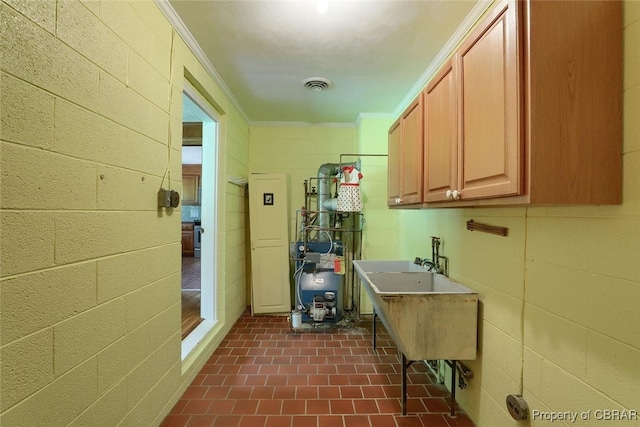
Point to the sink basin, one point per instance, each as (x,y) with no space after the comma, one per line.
(378,266)
(410,282)
(428,315)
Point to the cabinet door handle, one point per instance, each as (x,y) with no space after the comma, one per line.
(448,195)
(456,195)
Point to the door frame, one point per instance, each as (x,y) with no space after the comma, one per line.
(209,218)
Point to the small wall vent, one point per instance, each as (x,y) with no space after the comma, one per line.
(317,84)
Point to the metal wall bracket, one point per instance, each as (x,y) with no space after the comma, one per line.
(491,229)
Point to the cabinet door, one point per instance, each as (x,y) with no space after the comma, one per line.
(574,102)
(411,165)
(490,106)
(190,189)
(440,130)
(187,243)
(393,165)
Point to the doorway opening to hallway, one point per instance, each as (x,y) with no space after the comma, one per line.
(199,217)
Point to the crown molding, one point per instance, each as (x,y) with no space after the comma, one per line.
(479,9)
(175,20)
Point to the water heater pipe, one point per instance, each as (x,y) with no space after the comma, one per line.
(326,173)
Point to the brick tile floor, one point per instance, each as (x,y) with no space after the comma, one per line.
(265,375)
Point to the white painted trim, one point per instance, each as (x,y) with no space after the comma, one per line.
(199,335)
(183,31)
(472,18)
(210,197)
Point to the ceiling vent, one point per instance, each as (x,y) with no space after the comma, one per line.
(317,84)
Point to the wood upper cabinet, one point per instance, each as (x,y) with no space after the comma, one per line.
(412,147)
(394,159)
(573,101)
(405,157)
(191,184)
(190,189)
(473,143)
(441,135)
(489,107)
(192,133)
(539,107)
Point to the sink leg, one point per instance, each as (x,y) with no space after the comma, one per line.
(374,328)
(404,385)
(453,365)
(405,366)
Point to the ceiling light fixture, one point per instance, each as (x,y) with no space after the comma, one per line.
(322,6)
(317,84)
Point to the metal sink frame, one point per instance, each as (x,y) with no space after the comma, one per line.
(428,316)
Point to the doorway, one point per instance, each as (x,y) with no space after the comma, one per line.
(199,217)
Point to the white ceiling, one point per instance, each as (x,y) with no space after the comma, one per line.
(377,53)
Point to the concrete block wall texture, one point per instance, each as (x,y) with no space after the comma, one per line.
(81,262)
(299,151)
(90,128)
(380,230)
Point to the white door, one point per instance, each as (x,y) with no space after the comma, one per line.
(268,211)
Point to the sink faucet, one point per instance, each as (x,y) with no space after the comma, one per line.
(436,257)
(435,251)
(425,263)
(434,263)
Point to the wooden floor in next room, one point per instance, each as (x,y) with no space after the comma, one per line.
(190,294)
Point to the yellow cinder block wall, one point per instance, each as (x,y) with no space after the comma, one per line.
(380,229)
(89,269)
(299,151)
(91,111)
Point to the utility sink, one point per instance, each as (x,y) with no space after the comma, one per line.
(428,315)
(410,282)
(379,266)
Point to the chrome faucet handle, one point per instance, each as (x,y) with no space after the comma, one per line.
(429,265)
